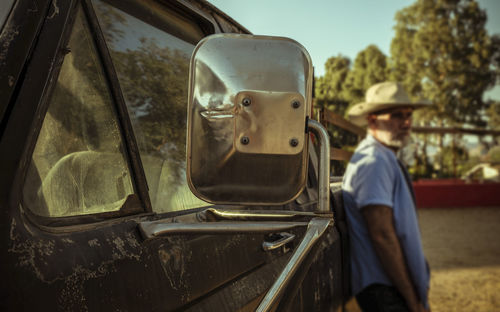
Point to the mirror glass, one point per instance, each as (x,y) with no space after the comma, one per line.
(249,98)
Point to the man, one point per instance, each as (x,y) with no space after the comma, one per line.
(389,271)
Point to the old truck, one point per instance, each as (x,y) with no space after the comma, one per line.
(110,133)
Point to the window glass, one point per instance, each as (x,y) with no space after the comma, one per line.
(78,166)
(152,67)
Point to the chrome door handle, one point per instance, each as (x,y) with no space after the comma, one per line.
(285,239)
(316,228)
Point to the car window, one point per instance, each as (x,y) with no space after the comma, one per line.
(150,48)
(78,166)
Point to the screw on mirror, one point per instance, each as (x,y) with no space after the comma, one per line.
(246,102)
(295,104)
(294,142)
(245,140)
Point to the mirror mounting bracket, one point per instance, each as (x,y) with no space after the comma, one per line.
(324,165)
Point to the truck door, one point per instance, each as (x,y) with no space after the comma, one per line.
(97,213)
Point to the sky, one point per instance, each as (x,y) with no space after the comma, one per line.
(333,27)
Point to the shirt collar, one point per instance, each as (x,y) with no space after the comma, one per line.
(370,139)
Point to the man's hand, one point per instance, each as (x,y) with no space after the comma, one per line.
(380,223)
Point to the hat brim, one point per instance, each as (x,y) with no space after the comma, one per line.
(357,114)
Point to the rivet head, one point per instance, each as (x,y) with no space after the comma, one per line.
(245,140)
(294,142)
(295,104)
(246,101)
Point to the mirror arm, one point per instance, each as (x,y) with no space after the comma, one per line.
(161,228)
(324,165)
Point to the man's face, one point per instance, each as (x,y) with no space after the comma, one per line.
(391,127)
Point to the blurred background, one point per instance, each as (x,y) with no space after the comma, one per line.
(445,51)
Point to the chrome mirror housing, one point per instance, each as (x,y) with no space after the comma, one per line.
(249,101)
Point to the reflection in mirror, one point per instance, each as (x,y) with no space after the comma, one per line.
(249,100)
(152,63)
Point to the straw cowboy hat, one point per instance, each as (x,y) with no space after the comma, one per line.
(382,96)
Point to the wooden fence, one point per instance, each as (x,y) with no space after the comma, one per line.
(429,193)
(326,118)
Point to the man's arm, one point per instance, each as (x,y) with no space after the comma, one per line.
(380,224)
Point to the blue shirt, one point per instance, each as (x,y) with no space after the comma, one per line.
(373,177)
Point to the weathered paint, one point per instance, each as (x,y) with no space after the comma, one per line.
(55,10)
(88,264)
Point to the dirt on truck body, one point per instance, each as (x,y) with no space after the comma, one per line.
(96,213)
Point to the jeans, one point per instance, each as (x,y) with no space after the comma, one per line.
(381,298)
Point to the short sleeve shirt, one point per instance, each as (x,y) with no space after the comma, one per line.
(373,177)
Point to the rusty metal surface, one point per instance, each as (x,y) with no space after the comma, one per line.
(315,230)
(322,287)
(17,36)
(5,7)
(95,263)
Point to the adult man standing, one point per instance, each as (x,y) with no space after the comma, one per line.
(389,271)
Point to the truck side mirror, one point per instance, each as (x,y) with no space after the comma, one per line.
(249,101)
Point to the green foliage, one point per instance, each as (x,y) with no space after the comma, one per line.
(329,88)
(442,52)
(493,113)
(421,167)
(454,161)
(155,86)
(494,154)
(154,81)
(342,87)
(370,67)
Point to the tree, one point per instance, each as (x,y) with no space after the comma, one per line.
(442,52)
(329,88)
(454,160)
(330,95)
(342,87)
(494,115)
(494,154)
(155,88)
(370,67)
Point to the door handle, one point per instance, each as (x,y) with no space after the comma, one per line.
(316,228)
(285,239)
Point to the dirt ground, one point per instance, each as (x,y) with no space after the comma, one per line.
(462,246)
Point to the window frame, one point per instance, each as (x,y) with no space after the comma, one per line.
(28,22)
(132,151)
(179,7)
(206,25)
(132,156)
(65,33)
(45,65)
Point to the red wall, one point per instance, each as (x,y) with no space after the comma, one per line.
(456,193)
